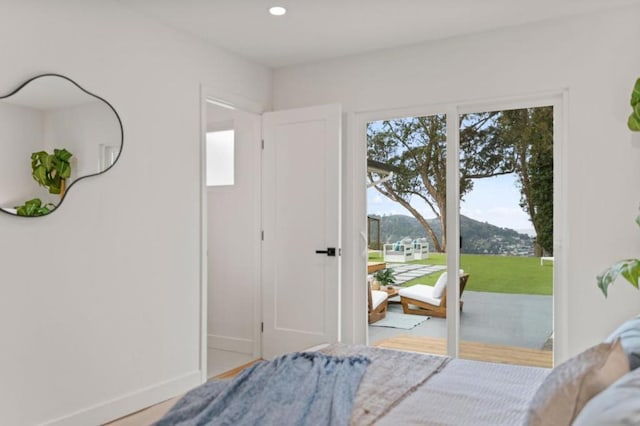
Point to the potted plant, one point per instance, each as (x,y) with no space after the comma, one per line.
(385,277)
(52,170)
(34,207)
(634,119)
(628,268)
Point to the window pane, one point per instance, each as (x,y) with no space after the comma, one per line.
(220,158)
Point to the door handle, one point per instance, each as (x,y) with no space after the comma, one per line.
(330,251)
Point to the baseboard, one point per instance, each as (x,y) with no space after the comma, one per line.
(129,403)
(233,344)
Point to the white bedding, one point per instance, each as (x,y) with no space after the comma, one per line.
(470,393)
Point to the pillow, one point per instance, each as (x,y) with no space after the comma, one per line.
(439,286)
(573,383)
(629,333)
(619,404)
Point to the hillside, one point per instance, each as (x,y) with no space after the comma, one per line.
(477,237)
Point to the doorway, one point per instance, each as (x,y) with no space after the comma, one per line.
(232,228)
(270,284)
(488,162)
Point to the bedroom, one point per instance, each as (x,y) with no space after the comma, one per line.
(138,322)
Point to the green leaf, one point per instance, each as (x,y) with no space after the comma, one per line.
(40,175)
(62,154)
(34,207)
(635,94)
(634,123)
(634,119)
(628,268)
(54,186)
(64,169)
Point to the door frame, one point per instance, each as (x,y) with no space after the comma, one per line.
(231,100)
(559,99)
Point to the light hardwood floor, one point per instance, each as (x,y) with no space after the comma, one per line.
(471,350)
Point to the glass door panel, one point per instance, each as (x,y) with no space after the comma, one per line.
(406,209)
(506,236)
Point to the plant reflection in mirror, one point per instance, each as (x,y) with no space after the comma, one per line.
(52,172)
(34,207)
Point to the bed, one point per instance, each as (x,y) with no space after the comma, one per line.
(456,392)
(411,388)
(360,385)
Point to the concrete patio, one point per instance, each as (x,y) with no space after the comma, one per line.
(496,318)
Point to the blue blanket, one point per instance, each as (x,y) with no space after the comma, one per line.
(306,388)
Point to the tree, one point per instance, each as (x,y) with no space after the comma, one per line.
(530,130)
(416,146)
(491,144)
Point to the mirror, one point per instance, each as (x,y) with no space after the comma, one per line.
(53,133)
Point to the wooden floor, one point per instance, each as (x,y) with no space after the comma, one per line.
(471,350)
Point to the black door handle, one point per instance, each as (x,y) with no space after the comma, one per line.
(330,251)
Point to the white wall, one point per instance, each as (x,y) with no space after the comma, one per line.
(100,305)
(21,131)
(592,57)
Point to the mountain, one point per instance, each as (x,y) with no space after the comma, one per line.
(477,237)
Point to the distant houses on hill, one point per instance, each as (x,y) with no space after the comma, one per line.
(477,237)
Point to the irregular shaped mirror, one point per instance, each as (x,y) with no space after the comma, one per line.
(53,133)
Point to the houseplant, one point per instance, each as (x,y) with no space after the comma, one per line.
(34,207)
(52,170)
(634,118)
(385,277)
(628,268)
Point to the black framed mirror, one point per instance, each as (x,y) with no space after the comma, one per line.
(53,134)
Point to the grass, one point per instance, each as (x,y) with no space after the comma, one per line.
(496,274)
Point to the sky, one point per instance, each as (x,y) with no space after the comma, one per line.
(495,200)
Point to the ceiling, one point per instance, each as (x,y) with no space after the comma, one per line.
(314,30)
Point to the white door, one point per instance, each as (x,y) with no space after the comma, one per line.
(301,213)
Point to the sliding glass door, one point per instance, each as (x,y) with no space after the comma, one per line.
(469,238)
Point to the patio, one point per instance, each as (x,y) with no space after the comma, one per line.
(494,318)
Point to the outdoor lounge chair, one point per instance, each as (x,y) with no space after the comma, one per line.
(401,251)
(377,304)
(420,249)
(422,299)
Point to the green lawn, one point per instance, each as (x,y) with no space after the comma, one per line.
(497,274)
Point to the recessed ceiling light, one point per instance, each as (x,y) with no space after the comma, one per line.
(277,10)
